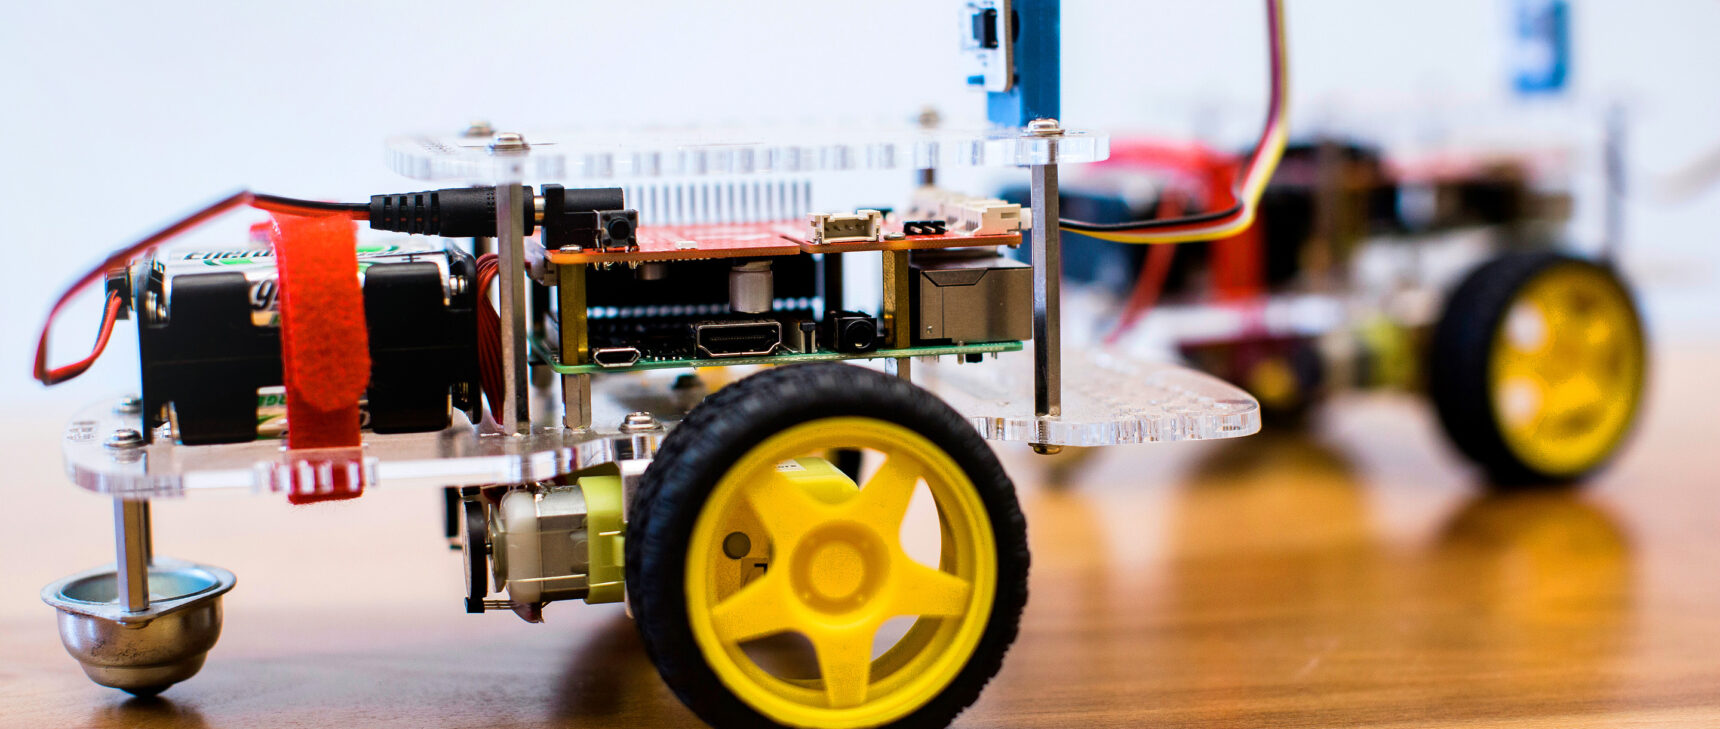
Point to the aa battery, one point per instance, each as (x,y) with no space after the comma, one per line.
(257,263)
(272,412)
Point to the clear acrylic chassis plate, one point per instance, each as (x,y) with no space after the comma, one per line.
(1107,400)
(611,154)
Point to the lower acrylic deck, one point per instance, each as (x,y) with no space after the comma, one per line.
(1107,400)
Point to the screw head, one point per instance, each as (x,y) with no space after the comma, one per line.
(1044,128)
(1047,450)
(129,405)
(478,128)
(155,305)
(638,422)
(509,142)
(929,118)
(125,438)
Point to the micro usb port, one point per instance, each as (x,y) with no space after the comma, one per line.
(614,357)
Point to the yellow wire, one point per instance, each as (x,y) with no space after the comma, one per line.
(1257,178)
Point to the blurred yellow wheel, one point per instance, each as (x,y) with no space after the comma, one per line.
(1539,366)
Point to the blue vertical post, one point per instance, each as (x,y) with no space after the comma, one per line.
(1541,47)
(1035,93)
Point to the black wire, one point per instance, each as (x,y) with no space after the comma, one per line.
(1181,220)
(314,204)
(1273,111)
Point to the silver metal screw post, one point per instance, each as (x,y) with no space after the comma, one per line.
(929,119)
(1047,280)
(132,553)
(511,242)
(576,401)
(1047,275)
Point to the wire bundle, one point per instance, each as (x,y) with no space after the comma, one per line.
(489,335)
(1240,205)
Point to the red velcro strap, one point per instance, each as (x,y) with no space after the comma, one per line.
(325,350)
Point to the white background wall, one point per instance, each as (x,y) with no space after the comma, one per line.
(119,117)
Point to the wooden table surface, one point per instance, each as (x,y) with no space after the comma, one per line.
(1352,574)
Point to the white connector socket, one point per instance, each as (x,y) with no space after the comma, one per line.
(860,226)
(971,215)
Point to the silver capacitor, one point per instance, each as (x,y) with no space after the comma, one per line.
(750,287)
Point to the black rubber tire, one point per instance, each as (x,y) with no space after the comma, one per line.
(696,454)
(1462,346)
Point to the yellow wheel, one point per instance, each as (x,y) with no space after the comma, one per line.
(1538,367)
(773,590)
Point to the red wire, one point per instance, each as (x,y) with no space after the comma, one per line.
(1151,281)
(1146,292)
(62,373)
(123,258)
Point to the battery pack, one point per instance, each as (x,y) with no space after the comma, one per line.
(209,339)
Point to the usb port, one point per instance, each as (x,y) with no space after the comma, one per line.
(610,357)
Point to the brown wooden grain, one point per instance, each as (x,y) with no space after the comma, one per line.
(1354,574)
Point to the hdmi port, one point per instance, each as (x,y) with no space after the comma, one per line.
(615,356)
(749,338)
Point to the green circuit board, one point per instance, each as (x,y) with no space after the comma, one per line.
(790,357)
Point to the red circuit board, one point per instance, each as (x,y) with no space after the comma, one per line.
(780,238)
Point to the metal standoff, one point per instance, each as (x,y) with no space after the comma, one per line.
(511,244)
(1047,273)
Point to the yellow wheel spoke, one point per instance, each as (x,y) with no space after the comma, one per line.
(884,499)
(784,507)
(1573,394)
(1520,369)
(1598,335)
(845,662)
(760,609)
(921,590)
